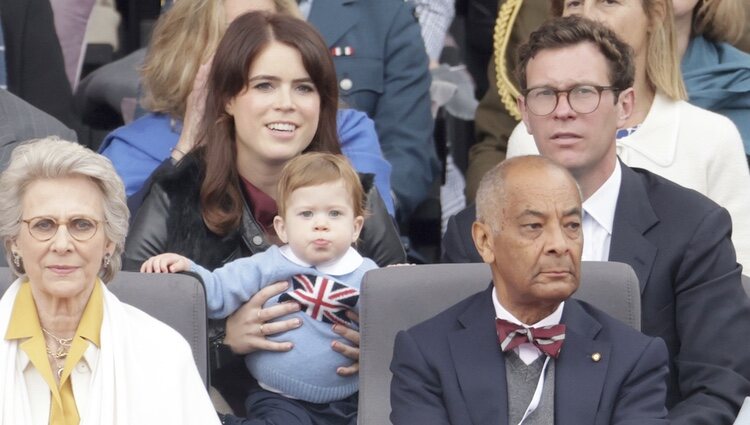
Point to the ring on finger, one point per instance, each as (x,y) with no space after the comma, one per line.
(261,329)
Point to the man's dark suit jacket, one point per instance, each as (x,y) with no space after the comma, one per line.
(678,242)
(34,59)
(450,370)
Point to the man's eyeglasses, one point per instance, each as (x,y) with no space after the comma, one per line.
(45,228)
(583,99)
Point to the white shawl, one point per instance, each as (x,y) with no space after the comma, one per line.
(145,373)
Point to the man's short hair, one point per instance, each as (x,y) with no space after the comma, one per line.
(315,168)
(572,30)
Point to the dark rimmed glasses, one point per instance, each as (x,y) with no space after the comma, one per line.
(584,98)
(45,228)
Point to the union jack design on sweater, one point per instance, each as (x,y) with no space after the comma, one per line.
(322,298)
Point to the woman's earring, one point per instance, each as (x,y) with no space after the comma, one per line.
(105,261)
(16,259)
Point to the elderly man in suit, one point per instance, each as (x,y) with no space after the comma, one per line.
(523,351)
(677,240)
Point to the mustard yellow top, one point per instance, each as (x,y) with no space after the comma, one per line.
(24,324)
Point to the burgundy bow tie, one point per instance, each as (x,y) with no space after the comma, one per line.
(548,339)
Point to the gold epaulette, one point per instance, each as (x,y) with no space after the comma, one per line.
(508,92)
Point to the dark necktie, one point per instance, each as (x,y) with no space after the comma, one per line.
(548,339)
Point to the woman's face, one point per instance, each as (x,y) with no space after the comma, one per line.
(277,115)
(235,8)
(62,267)
(626,18)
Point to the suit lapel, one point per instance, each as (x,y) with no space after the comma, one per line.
(481,369)
(333,18)
(579,379)
(634,216)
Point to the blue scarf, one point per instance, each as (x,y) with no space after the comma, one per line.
(717,77)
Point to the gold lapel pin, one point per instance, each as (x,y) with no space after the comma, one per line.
(596,357)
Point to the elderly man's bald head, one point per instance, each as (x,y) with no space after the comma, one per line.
(528,230)
(491,197)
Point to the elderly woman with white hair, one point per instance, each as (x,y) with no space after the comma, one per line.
(72,352)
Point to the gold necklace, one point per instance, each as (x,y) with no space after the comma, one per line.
(61,353)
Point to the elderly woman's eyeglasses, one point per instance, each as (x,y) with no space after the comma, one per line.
(45,228)
(583,99)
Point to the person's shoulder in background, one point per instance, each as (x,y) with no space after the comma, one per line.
(20,121)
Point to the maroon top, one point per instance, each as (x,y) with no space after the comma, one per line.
(262,206)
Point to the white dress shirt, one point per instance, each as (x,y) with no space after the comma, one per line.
(527,352)
(599,217)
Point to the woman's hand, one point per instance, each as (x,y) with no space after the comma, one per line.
(194,109)
(165,263)
(247,328)
(350,351)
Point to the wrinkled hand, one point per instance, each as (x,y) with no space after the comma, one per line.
(194,111)
(165,263)
(247,328)
(350,351)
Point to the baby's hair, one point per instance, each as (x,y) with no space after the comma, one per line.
(314,168)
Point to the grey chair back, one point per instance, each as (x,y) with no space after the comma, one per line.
(178,300)
(746,284)
(396,298)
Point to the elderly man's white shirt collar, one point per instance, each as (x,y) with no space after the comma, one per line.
(527,351)
(337,267)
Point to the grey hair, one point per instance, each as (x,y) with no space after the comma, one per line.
(51,158)
(490,198)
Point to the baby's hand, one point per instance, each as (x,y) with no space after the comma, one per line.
(165,263)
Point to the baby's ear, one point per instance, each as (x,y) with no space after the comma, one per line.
(358,222)
(278,225)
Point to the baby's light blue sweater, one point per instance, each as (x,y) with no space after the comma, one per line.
(308,371)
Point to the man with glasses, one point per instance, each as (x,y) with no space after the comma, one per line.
(576,78)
